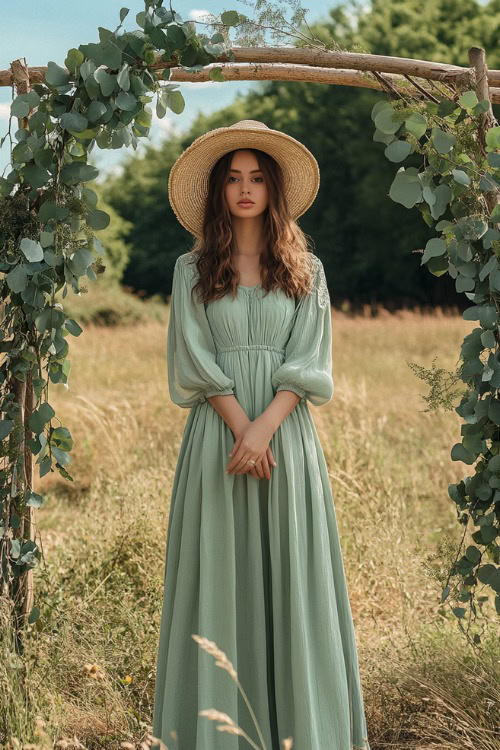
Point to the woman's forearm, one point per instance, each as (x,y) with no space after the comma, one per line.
(280,407)
(230,410)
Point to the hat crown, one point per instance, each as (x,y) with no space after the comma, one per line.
(249,124)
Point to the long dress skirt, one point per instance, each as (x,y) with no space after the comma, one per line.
(254,565)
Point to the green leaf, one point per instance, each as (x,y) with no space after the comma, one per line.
(458,453)
(398,150)
(416,124)
(433,248)
(472,227)
(126,101)
(31,249)
(55,75)
(493,137)
(17,279)
(495,279)
(74,59)
(217,75)
(230,18)
(473,554)
(73,327)
(123,14)
(488,534)
(161,109)
(461,177)
(90,197)
(111,55)
(34,614)
(386,122)
(43,157)
(87,69)
(493,160)
(444,593)
(123,78)
(468,99)
(494,411)
(176,37)
(6,426)
(437,266)
(40,417)
(5,187)
(158,38)
(144,118)
(46,239)
(22,104)
(176,102)
(80,261)
(488,340)
(62,457)
(19,107)
(49,210)
(78,172)
(98,219)
(443,142)
(85,135)
(106,81)
(73,121)
(96,110)
(36,176)
(406,189)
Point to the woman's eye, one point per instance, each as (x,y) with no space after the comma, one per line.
(235,178)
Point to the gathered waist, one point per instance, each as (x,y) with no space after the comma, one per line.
(238,347)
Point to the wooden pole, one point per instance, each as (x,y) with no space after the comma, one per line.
(477,58)
(23,590)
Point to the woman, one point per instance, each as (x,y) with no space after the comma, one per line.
(253,559)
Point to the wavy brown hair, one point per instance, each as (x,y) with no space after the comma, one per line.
(285,262)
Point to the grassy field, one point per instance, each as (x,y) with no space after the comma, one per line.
(91,657)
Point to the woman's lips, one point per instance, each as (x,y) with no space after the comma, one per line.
(245,203)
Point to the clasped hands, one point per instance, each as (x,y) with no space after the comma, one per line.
(249,440)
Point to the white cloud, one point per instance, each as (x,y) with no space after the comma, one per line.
(204,16)
(4,111)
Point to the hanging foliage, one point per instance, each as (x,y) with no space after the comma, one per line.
(458,176)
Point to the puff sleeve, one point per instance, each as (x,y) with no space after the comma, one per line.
(307,368)
(193,373)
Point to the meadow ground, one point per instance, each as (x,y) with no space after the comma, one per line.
(91,656)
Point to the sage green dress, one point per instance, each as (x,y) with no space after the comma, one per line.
(254,565)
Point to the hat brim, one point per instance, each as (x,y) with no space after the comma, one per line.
(188,178)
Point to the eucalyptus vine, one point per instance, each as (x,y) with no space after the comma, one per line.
(456,176)
(48,216)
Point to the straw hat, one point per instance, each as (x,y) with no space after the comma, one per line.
(188,179)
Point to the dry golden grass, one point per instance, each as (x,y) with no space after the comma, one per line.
(92,654)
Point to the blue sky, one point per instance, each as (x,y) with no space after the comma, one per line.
(43,30)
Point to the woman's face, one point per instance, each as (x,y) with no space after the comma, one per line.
(245,182)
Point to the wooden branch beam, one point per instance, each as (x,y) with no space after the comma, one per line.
(285,72)
(318,59)
(305,74)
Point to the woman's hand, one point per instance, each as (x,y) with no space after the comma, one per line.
(252,442)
